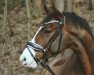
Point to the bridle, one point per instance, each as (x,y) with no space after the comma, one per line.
(44,50)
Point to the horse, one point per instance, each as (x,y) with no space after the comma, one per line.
(58,32)
(56,64)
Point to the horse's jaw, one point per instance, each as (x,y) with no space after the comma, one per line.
(27,60)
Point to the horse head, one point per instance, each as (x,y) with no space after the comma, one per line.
(48,32)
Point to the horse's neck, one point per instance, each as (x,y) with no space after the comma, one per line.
(87,42)
(73,66)
(85,48)
(65,66)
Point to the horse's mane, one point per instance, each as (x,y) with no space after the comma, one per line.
(78,21)
(74,19)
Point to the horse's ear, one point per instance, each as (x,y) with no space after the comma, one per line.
(47,9)
(56,13)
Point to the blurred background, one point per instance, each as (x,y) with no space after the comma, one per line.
(19,20)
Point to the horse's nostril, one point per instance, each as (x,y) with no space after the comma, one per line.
(25,64)
(24,59)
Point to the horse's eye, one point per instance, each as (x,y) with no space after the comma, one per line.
(47,31)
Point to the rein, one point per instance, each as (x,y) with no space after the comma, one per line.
(43,50)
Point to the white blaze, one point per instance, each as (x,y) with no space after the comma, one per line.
(26,59)
(33,40)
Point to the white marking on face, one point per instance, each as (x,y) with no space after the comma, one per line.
(26,59)
(33,40)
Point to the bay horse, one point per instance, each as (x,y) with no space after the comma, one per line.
(58,32)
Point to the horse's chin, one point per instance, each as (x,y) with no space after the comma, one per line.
(27,60)
(33,65)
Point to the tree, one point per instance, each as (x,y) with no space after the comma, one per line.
(29,17)
(70,5)
(91,4)
(59,4)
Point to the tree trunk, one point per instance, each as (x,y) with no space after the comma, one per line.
(90,4)
(38,4)
(69,5)
(29,17)
(93,4)
(59,4)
